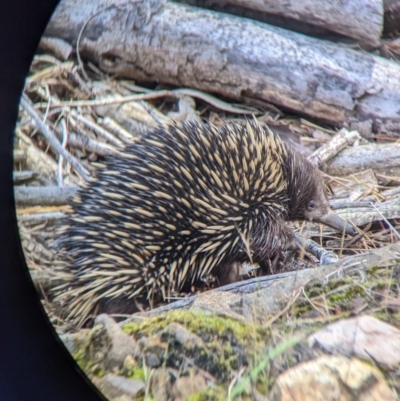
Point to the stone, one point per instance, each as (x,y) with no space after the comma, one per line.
(117,387)
(185,386)
(365,337)
(332,378)
(110,345)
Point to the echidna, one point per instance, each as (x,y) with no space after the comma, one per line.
(184,201)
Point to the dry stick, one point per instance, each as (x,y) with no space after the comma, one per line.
(386,221)
(391,195)
(176,93)
(341,204)
(112,126)
(382,158)
(85,87)
(19,176)
(45,196)
(334,146)
(54,70)
(91,145)
(285,309)
(19,156)
(40,217)
(325,257)
(64,145)
(60,48)
(96,128)
(311,303)
(52,140)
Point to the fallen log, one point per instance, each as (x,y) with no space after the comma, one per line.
(160,41)
(262,296)
(361,20)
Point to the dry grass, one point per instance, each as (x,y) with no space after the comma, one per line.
(93,118)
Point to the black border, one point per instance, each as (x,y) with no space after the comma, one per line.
(34,365)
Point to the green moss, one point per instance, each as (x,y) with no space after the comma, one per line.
(90,368)
(301,307)
(137,373)
(79,358)
(224,344)
(200,323)
(343,297)
(210,394)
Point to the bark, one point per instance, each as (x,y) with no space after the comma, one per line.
(361,20)
(40,218)
(44,196)
(381,158)
(59,48)
(20,176)
(155,40)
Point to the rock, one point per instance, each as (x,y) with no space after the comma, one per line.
(185,386)
(393,304)
(332,378)
(365,337)
(119,388)
(183,336)
(154,351)
(74,341)
(110,345)
(152,360)
(161,385)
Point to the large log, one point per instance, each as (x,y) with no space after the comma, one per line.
(155,40)
(361,20)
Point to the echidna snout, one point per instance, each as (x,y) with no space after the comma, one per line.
(318,210)
(182,202)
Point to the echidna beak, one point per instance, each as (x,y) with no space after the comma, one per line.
(331,219)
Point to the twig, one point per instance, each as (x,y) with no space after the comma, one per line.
(52,140)
(78,41)
(90,145)
(340,204)
(334,146)
(60,48)
(64,145)
(285,309)
(386,221)
(96,128)
(19,156)
(124,135)
(40,217)
(176,93)
(19,176)
(325,257)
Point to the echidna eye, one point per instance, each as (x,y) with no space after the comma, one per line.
(311,205)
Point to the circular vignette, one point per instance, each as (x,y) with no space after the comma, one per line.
(34,363)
